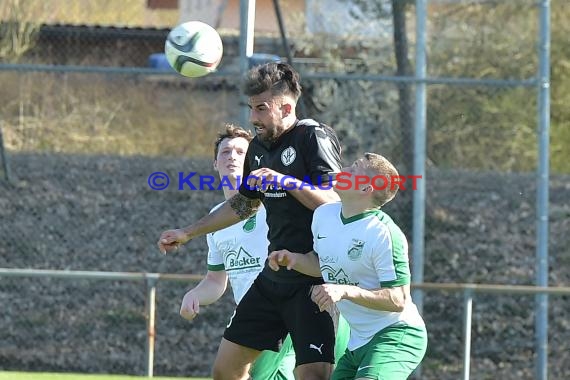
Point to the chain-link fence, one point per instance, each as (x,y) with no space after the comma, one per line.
(85,120)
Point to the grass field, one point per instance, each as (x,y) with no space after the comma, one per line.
(77,376)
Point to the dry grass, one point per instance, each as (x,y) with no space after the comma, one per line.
(75,376)
(119,115)
(91,12)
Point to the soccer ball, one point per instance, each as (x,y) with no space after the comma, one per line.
(194,49)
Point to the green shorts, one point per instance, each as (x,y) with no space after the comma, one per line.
(271,365)
(392,354)
(341,338)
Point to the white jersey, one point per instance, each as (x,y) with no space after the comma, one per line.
(240,250)
(367,250)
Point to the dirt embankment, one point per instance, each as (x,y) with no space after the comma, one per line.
(98,213)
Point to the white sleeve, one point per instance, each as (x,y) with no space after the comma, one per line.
(215,257)
(314,228)
(382,257)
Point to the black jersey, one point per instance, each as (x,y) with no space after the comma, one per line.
(309,151)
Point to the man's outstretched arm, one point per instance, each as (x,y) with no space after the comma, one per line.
(232,211)
(208,291)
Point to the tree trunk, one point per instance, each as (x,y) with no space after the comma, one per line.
(404,92)
(405,106)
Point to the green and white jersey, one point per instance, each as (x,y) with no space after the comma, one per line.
(369,251)
(240,250)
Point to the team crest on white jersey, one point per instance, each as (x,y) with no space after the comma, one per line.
(355,250)
(288,156)
(249,224)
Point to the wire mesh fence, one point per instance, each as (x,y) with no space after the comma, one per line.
(86,118)
(98,325)
(78,326)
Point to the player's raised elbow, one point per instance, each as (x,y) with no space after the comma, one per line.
(242,206)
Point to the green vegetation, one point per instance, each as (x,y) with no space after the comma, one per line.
(475,127)
(496,128)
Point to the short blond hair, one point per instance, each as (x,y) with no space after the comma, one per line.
(379,165)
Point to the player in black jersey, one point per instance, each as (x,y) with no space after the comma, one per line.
(288,167)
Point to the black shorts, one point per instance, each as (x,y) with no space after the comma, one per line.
(271,310)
